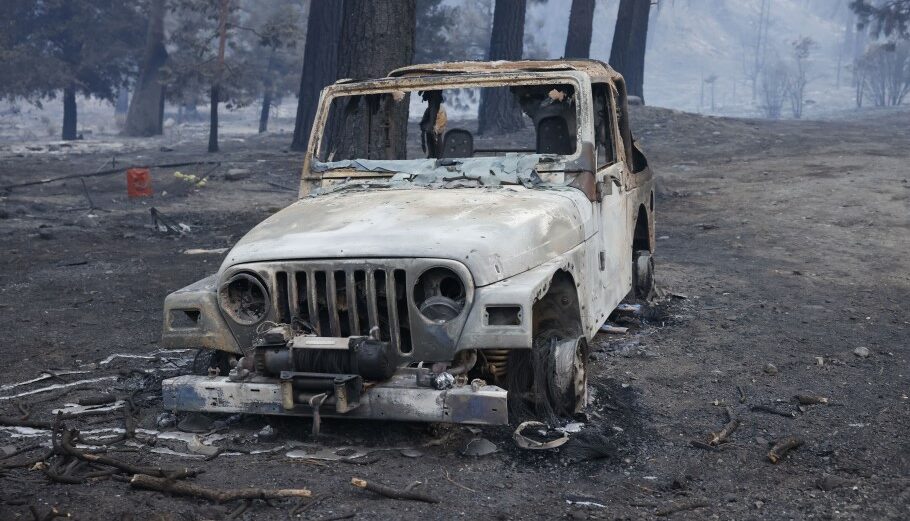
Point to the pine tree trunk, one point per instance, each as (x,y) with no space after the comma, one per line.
(627,54)
(498,109)
(213,117)
(145,112)
(267,88)
(377,36)
(581,25)
(69,113)
(320,65)
(264,113)
(215,95)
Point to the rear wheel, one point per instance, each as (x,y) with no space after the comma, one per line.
(643,273)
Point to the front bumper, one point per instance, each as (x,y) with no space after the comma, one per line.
(398,398)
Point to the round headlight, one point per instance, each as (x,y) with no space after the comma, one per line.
(244,298)
(439,294)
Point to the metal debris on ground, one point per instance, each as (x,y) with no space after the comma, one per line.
(479,447)
(543,431)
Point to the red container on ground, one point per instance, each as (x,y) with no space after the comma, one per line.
(138,182)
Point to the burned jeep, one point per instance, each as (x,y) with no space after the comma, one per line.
(440,265)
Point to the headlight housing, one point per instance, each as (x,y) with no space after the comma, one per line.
(439,294)
(244,298)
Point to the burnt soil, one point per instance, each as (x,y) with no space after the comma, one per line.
(781,243)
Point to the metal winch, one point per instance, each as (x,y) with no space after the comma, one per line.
(317,370)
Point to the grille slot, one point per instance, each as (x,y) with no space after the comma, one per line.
(348,302)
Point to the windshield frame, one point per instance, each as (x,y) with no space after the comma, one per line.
(313,169)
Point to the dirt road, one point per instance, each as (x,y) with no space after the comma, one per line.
(783,248)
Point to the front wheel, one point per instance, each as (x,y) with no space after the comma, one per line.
(643,274)
(550,379)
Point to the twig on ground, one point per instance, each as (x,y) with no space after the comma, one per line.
(457,484)
(389,492)
(742,395)
(182,488)
(782,446)
(716,438)
(67,444)
(98,399)
(811,399)
(18,422)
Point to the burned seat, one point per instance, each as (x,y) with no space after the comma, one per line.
(458,143)
(553,136)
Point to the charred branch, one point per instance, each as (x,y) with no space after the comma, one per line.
(389,492)
(182,488)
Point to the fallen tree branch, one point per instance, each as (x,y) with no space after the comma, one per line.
(67,444)
(98,399)
(782,446)
(811,399)
(182,488)
(6,421)
(716,438)
(389,492)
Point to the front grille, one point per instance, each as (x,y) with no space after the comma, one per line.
(347,302)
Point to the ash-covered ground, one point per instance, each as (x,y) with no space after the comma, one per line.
(782,253)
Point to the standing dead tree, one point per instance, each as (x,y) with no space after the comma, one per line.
(884,71)
(498,109)
(627,54)
(146,109)
(755,55)
(581,26)
(320,65)
(798,78)
(774,81)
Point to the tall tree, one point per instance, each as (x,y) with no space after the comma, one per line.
(320,64)
(889,17)
(498,109)
(272,37)
(49,46)
(377,36)
(146,110)
(581,25)
(215,95)
(627,55)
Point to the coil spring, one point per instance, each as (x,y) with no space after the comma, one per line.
(496,362)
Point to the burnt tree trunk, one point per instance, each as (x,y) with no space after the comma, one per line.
(215,95)
(69,112)
(145,112)
(581,25)
(498,109)
(377,36)
(320,64)
(267,88)
(627,54)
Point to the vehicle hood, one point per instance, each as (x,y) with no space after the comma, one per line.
(496,232)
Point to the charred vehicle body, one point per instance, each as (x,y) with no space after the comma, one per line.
(431,270)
